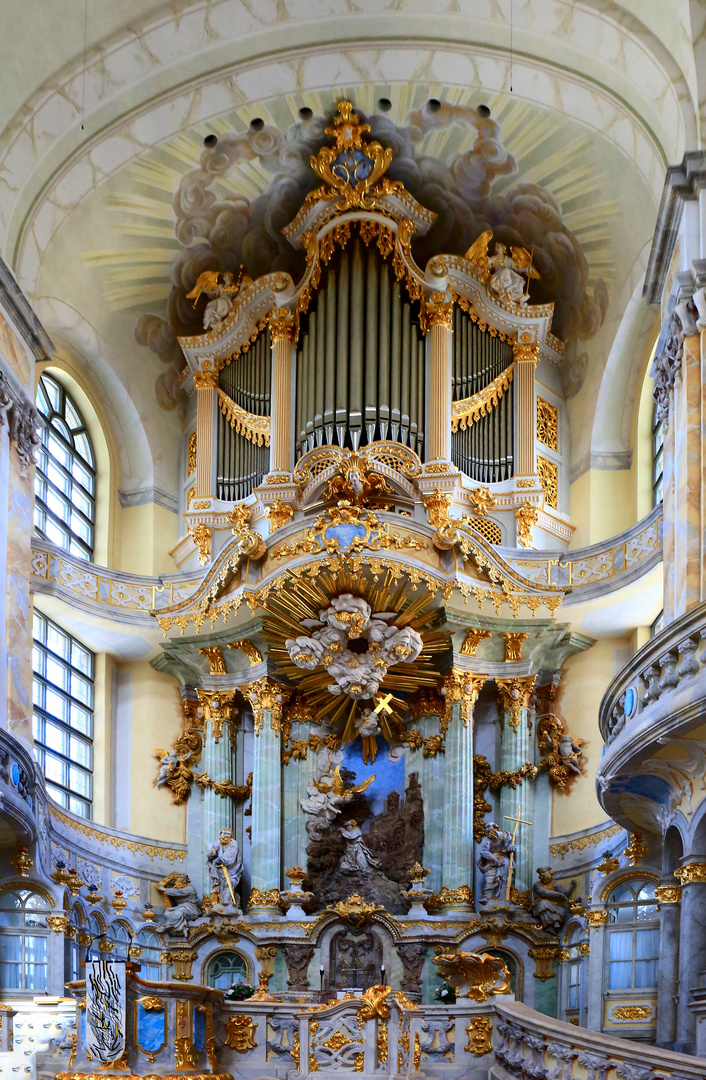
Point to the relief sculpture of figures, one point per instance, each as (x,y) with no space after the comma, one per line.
(495,851)
(225,868)
(357,858)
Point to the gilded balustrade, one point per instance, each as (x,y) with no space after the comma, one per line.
(129,598)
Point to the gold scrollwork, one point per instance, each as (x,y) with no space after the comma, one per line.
(350,169)
(479,1031)
(240,1033)
(514,696)
(632,1012)
(668,894)
(527,517)
(468,410)
(254,428)
(547,424)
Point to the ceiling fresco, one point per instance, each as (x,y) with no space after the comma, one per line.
(535,177)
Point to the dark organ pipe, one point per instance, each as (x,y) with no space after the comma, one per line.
(360,357)
(484,450)
(240,463)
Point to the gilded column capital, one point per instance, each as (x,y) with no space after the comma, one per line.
(461,687)
(524,353)
(514,695)
(691,873)
(597,918)
(266,694)
(513,646)
(206,380)
(543,956)
(217,707)
(668,894)
(436,311)
(284,325)
(472,640)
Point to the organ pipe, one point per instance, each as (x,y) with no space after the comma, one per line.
(240,462)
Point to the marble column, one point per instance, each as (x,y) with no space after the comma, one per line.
(692,950)
(432,775)
(218,761)
(668,974)
(298,775)
(206,383)
(283,330)
(517,746)
(266,807)
(457,846)
(437,318)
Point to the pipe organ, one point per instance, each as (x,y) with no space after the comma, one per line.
(368,349)
(360,357)
(481,448)
(242,458)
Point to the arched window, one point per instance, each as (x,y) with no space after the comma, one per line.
(226,969)
(633,936)
(658,427)
(576,949)
(120,936)
(62,721)
(97,931)
(149,961)
(23,941)
(65,478)
(76,918)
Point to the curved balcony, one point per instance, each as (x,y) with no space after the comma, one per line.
(129,598)
(656,699)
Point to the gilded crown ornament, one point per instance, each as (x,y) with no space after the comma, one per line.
(350,169)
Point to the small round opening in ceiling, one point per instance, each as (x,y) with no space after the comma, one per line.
(384,104)
(210,140)
(305,113)
(433,104)
(483,111)
(257,124)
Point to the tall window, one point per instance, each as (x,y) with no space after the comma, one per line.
(633,937)
(65,479)
(226,969)
(149,961)
(23,941)
(657,459)
(63,714)
(575,952)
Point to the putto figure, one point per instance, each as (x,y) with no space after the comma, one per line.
(225,868)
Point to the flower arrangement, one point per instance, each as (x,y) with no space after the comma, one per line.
(239,992)
(445,993)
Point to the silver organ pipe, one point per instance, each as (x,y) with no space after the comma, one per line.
(360,357)
(484,449)
(240,462)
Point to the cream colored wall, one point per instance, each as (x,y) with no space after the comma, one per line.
(602,504)
(585,679)
(148,533)
(156,717)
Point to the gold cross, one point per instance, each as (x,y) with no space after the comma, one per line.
(383,703)
(511,862)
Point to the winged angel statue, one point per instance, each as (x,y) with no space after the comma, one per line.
(505,271)
(220,296)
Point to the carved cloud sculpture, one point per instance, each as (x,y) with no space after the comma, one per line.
(355,646)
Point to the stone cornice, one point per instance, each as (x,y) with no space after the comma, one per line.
(682,184)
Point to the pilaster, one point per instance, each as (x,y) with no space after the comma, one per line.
(436,319)
(526,357)
(284,330)
(206,383)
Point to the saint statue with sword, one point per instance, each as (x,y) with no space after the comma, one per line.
(225,868)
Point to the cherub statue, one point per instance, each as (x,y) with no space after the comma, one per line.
(564,754)
(505,271)
(550,902)
(356,482)
(221,296)
(167,765)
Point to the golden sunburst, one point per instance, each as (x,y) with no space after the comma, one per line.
(290,609)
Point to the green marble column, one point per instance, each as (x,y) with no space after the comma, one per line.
(431,772)
(457,846)
(516,748)
(265,871)
(298,775)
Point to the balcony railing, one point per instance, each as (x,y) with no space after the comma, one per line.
(658,668)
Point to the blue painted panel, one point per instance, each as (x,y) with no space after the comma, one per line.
(150,1029)
(199,1030)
